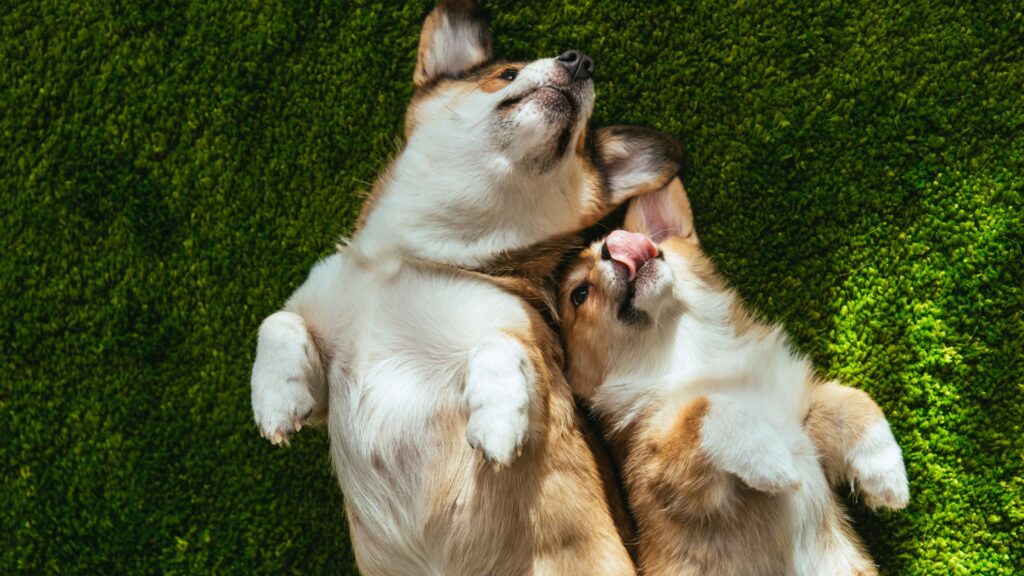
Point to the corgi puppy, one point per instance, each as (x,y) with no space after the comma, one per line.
(423,343)
(727,439)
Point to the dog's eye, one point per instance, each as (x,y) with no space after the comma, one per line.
(579,295)
(509,74)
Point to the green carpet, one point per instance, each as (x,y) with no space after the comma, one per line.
(170,171)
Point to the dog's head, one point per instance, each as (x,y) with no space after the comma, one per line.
(525,115)
(624,297)
(498,156)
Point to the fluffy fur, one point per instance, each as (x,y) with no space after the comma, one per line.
(453,432)
(727,439)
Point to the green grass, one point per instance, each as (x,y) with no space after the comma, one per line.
(170,171)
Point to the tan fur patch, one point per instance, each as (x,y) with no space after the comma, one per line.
(683,479)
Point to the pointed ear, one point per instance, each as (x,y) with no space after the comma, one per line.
(455,37)
(662,214)
(635,160)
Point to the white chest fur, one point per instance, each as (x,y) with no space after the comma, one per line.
(399,338)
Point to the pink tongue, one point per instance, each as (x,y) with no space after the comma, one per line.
(631,250)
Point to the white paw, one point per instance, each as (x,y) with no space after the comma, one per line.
(281,397)
(280,408)
(739,441)
(499,384)
(773,473)
(876,467)
(498,436)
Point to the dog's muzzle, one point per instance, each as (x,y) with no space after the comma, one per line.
(579,65)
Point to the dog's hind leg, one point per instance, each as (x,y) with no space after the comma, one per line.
(856,445)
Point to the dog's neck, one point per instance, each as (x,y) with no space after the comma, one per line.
(470,210)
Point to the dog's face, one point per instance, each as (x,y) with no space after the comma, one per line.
(525,114)
(498,157)
(621,298)
(529,116)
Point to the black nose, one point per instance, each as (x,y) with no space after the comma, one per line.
(605,253)
(579,65)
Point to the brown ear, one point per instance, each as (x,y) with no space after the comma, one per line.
(635,160)
(663,214)
(455,38)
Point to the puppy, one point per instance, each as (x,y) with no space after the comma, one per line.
(453,432)
(727,439)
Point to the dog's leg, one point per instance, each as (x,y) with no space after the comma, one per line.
(687,463)
(737,440)
(856,445)
(288,381)
(499,389)
(667,472)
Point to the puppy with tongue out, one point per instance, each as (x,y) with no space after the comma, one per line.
(629,249)
(727,439)
(633,254)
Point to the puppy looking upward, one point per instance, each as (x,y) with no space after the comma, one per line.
(727,439)
(453,432)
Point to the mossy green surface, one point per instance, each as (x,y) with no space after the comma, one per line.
(170,171)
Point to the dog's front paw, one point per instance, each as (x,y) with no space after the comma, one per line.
(499,436)
(876,467)
(280,408)
(281,377)
(774,472)
(499,385)
(739,441)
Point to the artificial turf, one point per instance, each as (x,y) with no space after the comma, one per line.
(170,171)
